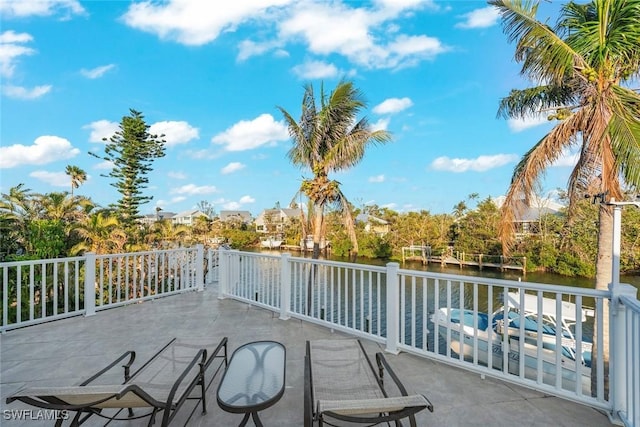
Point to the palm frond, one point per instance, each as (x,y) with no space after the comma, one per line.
(546,57)
(531,101)
(530,169)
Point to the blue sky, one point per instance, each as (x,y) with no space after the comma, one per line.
(210,74)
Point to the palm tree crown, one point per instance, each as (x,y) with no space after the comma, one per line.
(581,68)
(77,175)
(329,138)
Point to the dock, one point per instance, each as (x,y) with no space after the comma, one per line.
(461,259)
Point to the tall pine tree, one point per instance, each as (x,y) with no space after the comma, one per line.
(132,150)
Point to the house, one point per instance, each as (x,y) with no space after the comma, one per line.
(235,216)
(528,215)
(373,224)
(150,219)
(275,220)
(187,217)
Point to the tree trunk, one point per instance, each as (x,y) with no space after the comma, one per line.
(318,219)
(604,270)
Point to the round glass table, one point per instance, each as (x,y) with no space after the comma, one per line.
(254,379)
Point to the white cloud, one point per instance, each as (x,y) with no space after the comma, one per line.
(393,105)
(193,189)
(249,48)
(315,70)
(94,73)
(381,124)
(250,134)
(231,206)
(176,175)
(195,22)
(568,158)
(357,33)
(232,167)
(57,179)
(101,129)
(11,49)
(334,28)
(518,125)
(178,199)
(479,164)
(22,8)
(377,178)
(45,149)
(20,92)
(104,165)
(11,36)
(480,18)
(175,133)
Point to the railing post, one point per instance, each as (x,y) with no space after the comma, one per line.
(618,343)
(200,267)
(285,286)
(223,275)
(89,284)
(393,301)
(209,277)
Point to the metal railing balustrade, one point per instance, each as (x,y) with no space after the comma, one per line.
(629,411)
(455,319)
(43,290)
(413,311)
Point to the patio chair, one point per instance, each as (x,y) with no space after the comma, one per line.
(162,384)
(341,384)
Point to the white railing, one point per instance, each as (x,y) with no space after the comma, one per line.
(458,320)
(44,290)
(454,319)
(461,320)
(628,407)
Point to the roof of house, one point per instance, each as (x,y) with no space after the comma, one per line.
(226,215)
(192,212)
(370,218)
(532,211)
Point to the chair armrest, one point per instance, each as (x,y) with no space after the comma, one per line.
(382,365)
(126,366)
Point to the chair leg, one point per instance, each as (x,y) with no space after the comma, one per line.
(204,393)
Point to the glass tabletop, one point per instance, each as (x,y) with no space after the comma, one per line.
(254,376)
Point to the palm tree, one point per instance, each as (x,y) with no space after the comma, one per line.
(78,176)
(329,139)
(100,234)
(581,70)
(18,209)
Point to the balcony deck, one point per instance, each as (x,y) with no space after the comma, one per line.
(67,351)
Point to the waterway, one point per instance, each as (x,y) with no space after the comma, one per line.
(536,277)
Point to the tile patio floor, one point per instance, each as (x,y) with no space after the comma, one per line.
(67,351)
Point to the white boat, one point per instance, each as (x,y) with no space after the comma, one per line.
(307,243)
(271,242)
(481,329)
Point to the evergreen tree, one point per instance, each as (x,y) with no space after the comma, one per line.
(132,150)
